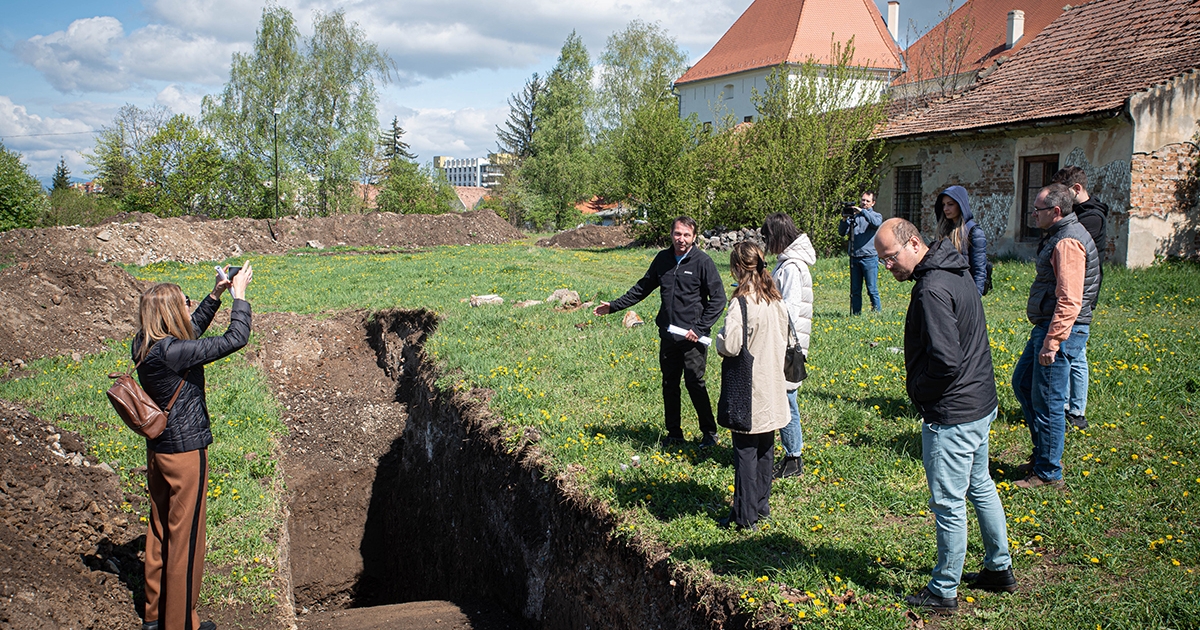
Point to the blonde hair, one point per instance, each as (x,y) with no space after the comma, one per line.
(749,267)
(162,313)
(954,229)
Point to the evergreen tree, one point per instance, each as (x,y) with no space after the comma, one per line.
(516,137)
(62,175)
(393,144)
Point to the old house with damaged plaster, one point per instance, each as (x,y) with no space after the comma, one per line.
(1001,95)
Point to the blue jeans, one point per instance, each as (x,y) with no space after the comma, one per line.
(1042,392)
(956,468)
(1077,401)
(863,269)
(791,436)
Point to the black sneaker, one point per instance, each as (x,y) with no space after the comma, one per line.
(208,625)
(709,440)
(150,625)
(926,599)
(995,581)
(671,440)
(790,467)
(1079,422)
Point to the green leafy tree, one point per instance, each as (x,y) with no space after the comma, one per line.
(243,116)
(639,65)
(811,150)
(655,151)
(119,146)
(21,198)
(408,188)
(182,169)
(559,169)
(68,206)
(62,176)
(334,124)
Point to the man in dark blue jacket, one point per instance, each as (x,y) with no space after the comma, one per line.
(951,382)
(860,226)
(692,300)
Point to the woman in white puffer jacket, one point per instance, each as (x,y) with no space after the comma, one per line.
(796,253)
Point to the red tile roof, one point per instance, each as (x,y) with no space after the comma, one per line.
(470,196)
(1088,61)
(771,32)
(985,25)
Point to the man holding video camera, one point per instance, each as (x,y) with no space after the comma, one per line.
(860,223)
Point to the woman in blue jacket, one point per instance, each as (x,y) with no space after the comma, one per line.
(956,222)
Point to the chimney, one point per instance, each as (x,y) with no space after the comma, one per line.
(1016,28)
(893,21)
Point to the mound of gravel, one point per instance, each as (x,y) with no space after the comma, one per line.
(54,306)
(591,237)
(142,239)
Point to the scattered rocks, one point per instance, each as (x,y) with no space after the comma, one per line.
(481,300)
(723,240)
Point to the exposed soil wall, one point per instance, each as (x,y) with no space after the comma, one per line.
(458,512)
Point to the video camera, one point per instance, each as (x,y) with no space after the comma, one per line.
(849,209)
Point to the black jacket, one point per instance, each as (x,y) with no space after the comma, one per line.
(1092,215)
(946,351)
(188,424)
(693,296)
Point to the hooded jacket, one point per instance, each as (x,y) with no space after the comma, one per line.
(691,291)
(795,283)
(946,352)
(974,241)
(1093,215)
(167,361)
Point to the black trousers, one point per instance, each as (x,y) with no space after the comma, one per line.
(689,359)
(753,456)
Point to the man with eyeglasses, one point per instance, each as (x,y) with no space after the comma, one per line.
(1060,309)
(950,379)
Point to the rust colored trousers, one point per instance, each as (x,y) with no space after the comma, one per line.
(178,484)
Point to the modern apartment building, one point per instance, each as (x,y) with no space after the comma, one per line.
(484,172)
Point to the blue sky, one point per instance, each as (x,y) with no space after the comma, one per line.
(66,66)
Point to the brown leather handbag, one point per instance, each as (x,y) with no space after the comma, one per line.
(135,406)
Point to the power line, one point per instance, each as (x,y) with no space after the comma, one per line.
(39,135)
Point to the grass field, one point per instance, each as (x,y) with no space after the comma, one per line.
(1115,551)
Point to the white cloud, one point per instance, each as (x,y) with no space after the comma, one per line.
(95,55)
(41,139)
(180,100)
(467,132)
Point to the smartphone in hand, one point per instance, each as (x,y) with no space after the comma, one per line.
(233,271)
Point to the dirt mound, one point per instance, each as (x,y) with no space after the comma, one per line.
(56,306)
(591,237)
(144,239)
(67,550)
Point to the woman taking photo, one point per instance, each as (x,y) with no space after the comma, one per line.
(766,321)
(791,275)
(956,222)
(170,356)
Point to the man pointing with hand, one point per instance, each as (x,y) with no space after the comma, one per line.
(692,300)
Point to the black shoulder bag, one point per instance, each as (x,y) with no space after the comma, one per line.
(793,358)
(737,384)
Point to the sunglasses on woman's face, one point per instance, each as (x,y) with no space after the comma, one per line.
(188,301)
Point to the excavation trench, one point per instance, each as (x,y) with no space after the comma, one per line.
(401,492)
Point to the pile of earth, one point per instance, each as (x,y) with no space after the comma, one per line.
(52,306)
(68,552)
(142,239)
(591,237)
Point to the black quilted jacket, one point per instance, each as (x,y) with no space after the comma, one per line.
(168,359)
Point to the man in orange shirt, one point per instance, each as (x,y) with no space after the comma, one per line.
(1060,309)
